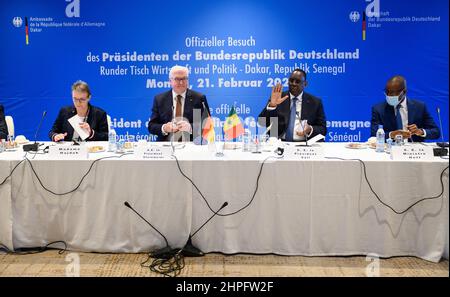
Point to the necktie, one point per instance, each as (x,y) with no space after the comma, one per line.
(178,109)
(290,130)
(398,118)
(178,114)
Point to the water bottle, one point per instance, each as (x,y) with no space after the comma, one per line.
(256,146)
(112,141)
(2,145)
(246,139)
(380,139)
(120,146)
(389,145)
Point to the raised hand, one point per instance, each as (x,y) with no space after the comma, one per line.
(275,97)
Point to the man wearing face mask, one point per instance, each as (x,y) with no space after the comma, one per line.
(401,115)
(300,115)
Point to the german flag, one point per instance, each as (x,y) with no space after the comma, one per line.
(26,31)
(208,130)
(364,25)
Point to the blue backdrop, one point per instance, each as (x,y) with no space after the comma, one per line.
(105,43)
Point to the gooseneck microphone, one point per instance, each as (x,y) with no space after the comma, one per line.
(35,146)
(164,253)
(225,204)
(205,108)
(443,143)
(301,124)
(172,133)
(189,250)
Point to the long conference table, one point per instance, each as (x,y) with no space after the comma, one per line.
(320,207)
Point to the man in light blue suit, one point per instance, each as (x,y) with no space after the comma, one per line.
(401,115)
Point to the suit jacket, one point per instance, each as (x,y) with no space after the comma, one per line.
(162,111)
(384,114)
(312,110)
(96,119)
(3,126)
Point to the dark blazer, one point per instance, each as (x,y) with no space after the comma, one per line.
(162,111)
(384,114)
(97,120)
(312,110)
(3,126)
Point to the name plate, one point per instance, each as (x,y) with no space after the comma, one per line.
(153,153)
(412,153)
(304,152)
(68,152)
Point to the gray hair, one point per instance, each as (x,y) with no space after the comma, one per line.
(178,68)
(81,86)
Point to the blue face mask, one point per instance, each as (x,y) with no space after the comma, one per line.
(394,100)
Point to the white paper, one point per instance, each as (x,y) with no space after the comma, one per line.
(75,122)
(414,152)
(315,139)
(303,152)
(68,152)
(150,152)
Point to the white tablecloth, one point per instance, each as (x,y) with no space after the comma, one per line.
(321,207)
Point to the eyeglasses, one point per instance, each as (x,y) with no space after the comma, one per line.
(180,79)
(297,81)
(80,100)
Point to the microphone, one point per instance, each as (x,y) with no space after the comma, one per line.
(301,124)
(206,108)
(267,132)
(164,253)
(35,146)
(443,143)
(173,134)
(189,250)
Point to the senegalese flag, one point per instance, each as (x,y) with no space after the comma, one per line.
(364,26)
(208,130)
(26,31)
(233,127)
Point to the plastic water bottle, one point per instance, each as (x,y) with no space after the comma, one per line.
(112,141)
(389,145)
(246,140)
(380,139)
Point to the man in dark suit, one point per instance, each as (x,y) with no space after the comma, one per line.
(300,115)
(3,126)
(401,115)
(174,111)
(92,119)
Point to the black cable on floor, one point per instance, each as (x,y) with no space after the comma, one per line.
(34,250)
(384,203)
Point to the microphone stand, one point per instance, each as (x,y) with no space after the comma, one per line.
(189,250)
(301,124)
(442,144)
(163,253)
(173,134)
(201,122)
(35,146)
(441,150)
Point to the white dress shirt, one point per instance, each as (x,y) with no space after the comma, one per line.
(174,101)
(404,113)
(297,125)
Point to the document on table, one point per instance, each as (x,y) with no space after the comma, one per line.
(75,121)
